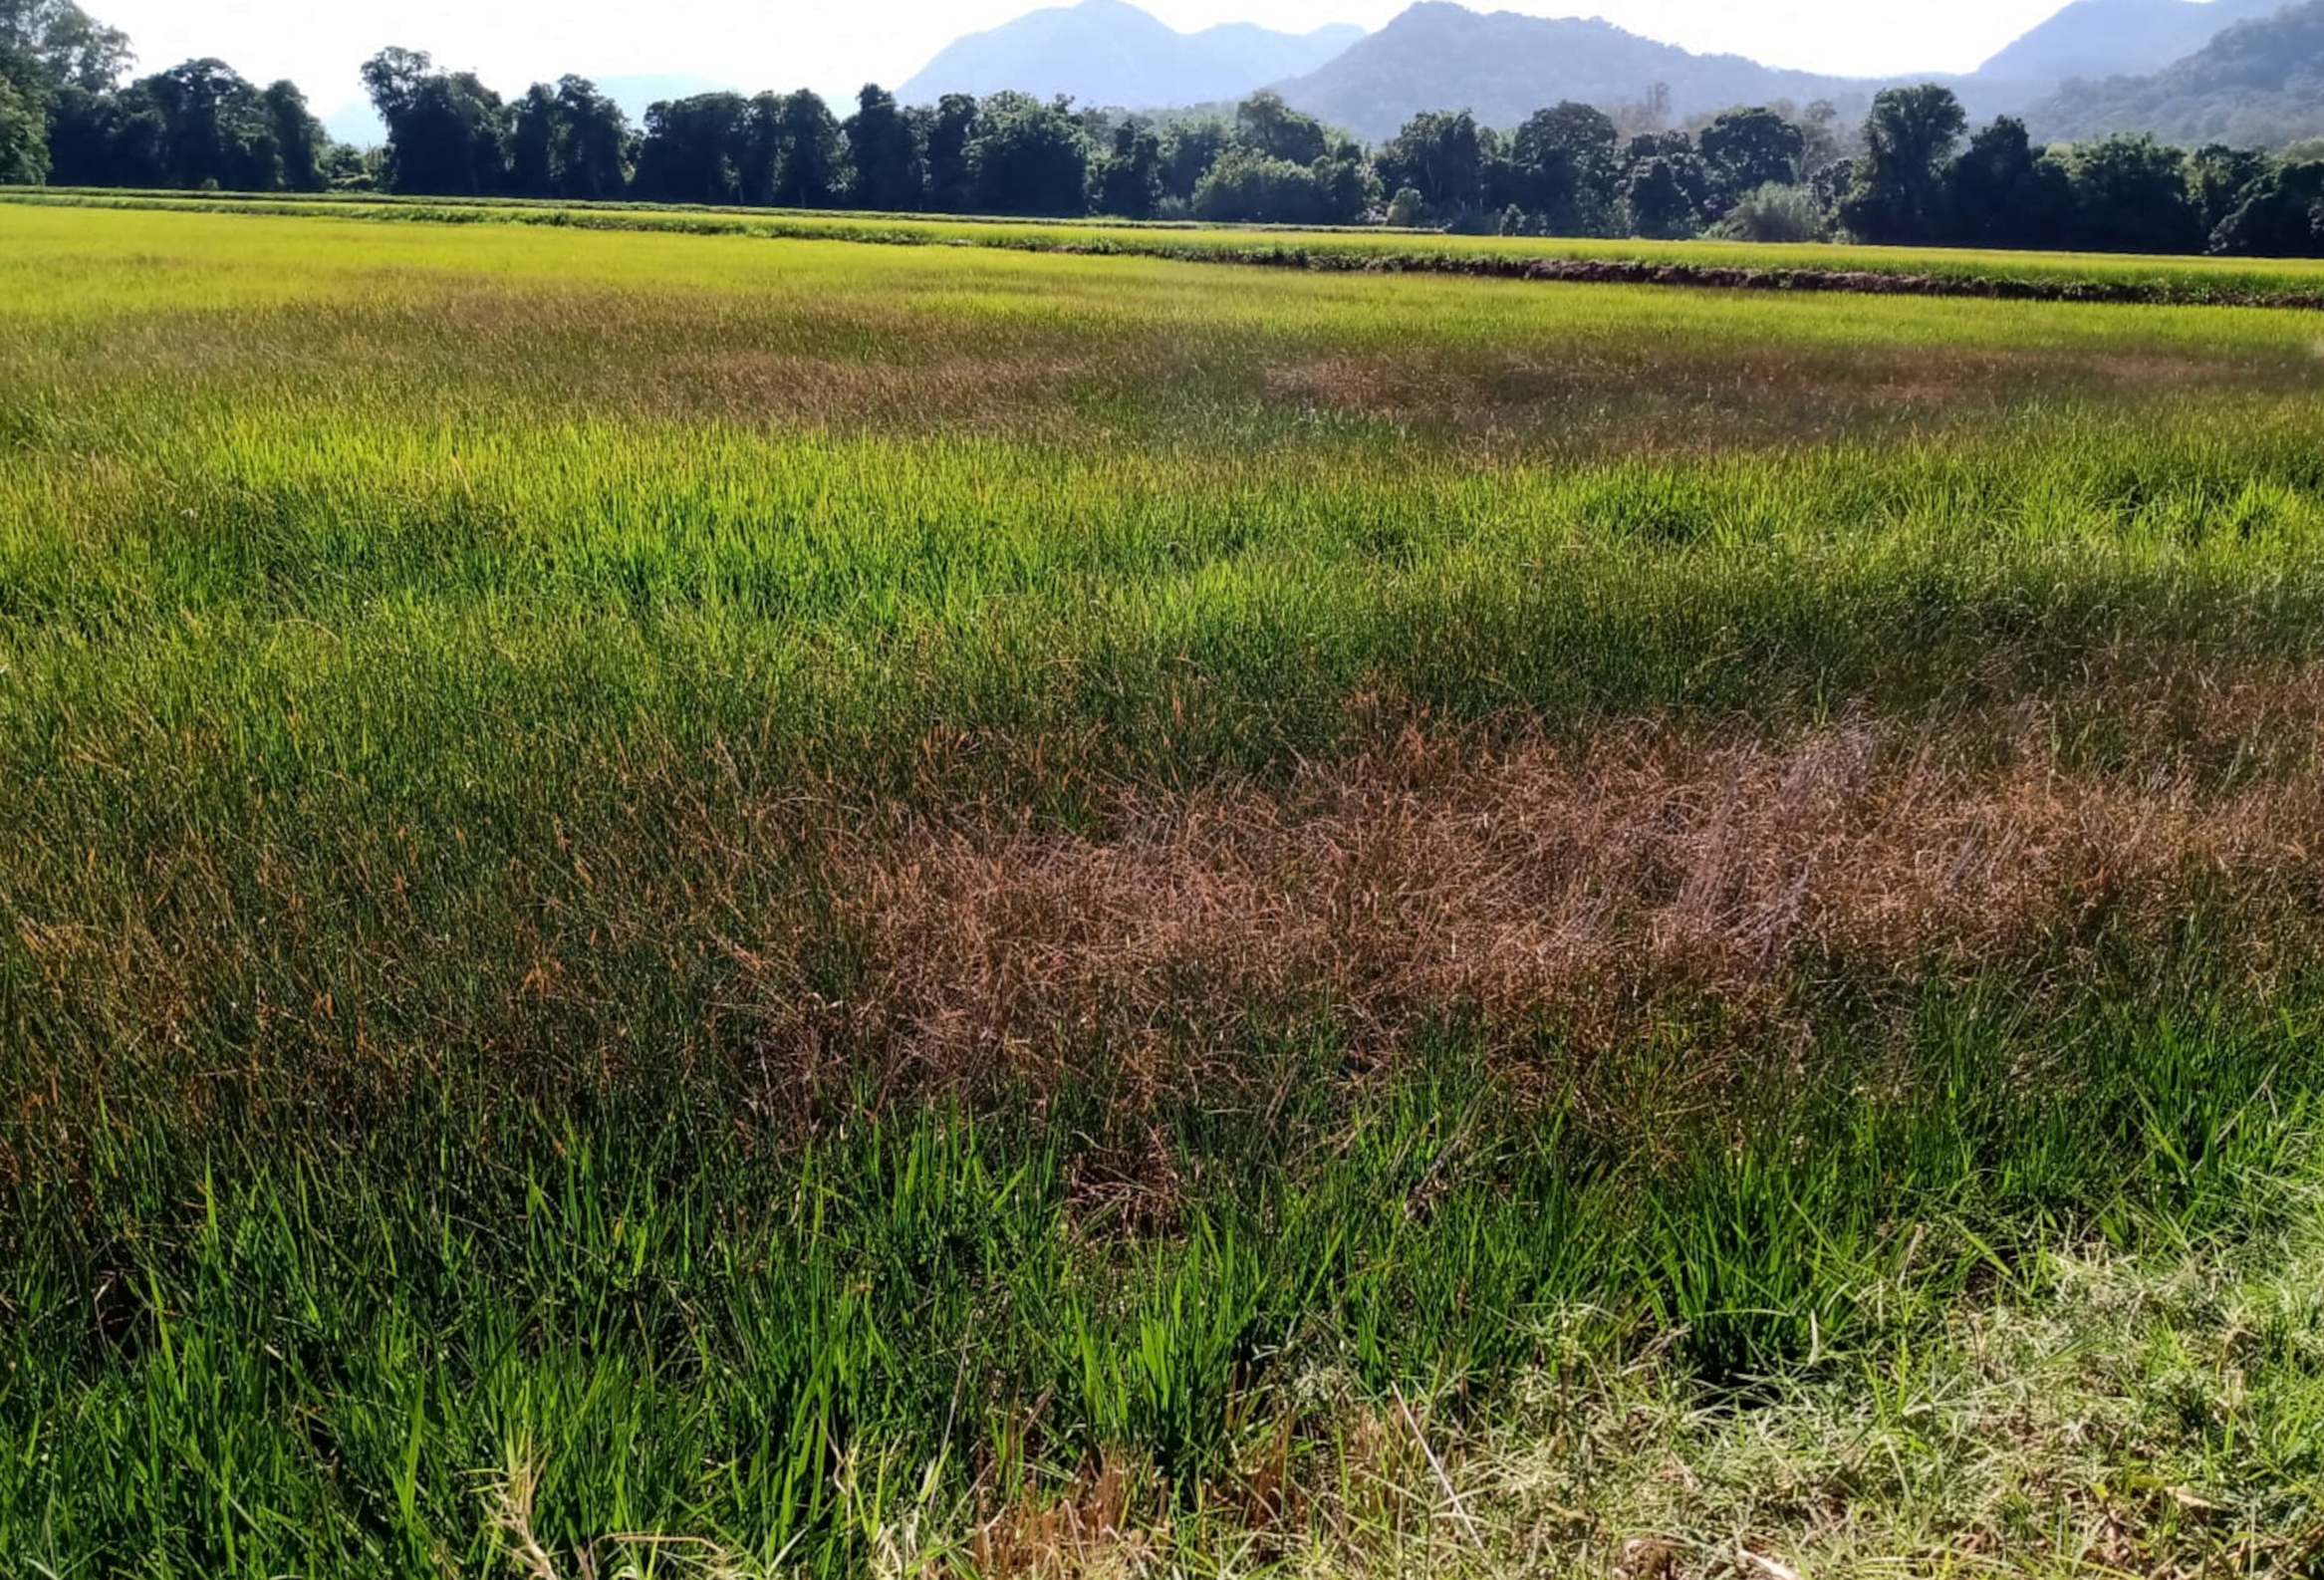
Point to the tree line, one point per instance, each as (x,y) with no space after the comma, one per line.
(67,117)
(1913,174)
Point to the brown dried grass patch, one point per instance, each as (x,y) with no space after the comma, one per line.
(1087,1532)
(1532,885)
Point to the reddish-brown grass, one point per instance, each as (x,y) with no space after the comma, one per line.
(1529,886)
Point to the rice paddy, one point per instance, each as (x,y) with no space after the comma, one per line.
(744,904)
(2161,280)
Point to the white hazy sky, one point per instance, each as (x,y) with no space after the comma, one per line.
(836,44)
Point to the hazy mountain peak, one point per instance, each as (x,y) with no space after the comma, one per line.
(2115,38)
(1109,51)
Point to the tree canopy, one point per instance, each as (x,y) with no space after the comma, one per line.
(1914,173)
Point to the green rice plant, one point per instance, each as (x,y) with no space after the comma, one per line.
(678,902)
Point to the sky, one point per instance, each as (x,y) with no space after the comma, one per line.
(837,46)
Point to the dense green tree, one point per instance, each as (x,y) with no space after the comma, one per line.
(1831,183)
(1562,170)
(1130,180)
(692,151)
(1350,188)
(2130,194)
(105,139)
(446,132)
(1266,126)
(1747,149)
(532,144)
(885,167)
(48,45)
(219,130)
(1902,183)
(1665,195)
(759,156)
(1188,151)
(24,146)
(2280,216)
(949,128)
(593,142)
(302,146)
(2003,193)
(1246,186)
(568,141)
(2219,179)
(793,157)
(1439,155)
(1028,157)
(392,79)
(49,49)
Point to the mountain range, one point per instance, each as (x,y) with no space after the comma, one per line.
(1106,52)
(2260,83)
(1504,65)
(2097,39)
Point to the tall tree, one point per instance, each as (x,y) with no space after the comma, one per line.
(47,49)
(1561,168)
(1750,148)
(218,129)
(2003,193)
(694,149)
(1028,157)
(793,158)
(2131,195)
(1901,183)
(54,44)
(1188,151)
(1665,195)
(300,144)
(1246,186)
(106,139)
(532,144)
(24,148)
(1268,126)
(446,132)
(2220,177)
(1439,155)
(592,155)
(1130,182)
(392,79)
(2280,216)
(885,165)
(949,128)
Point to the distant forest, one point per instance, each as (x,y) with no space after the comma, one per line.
(1913,174)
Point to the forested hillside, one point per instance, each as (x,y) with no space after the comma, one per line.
(2259,83)
(1501,67)
(2098,39)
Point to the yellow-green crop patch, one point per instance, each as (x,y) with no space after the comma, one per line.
(1802,266)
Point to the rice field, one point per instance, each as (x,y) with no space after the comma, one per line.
(733,903)
(2169,280)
